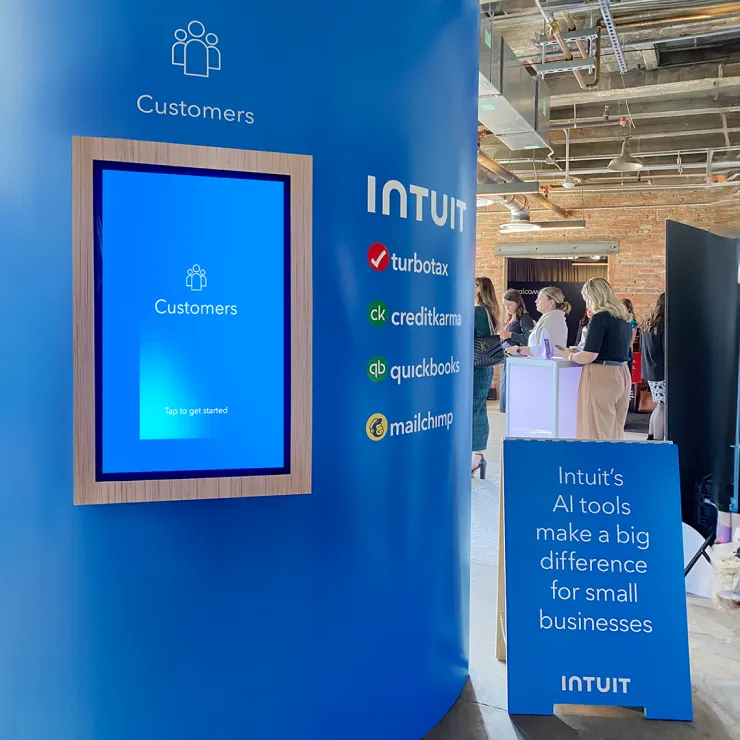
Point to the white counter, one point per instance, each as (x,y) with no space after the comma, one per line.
(541,397)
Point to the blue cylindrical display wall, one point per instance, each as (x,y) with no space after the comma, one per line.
(342,614)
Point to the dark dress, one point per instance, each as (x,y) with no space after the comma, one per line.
(653,354)
(520,331)
(482,378)
(653,361)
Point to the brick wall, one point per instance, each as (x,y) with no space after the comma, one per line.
(635,220)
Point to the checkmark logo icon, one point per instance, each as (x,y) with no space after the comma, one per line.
(377,262)
(377,257)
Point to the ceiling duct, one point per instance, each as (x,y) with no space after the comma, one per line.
(512,104)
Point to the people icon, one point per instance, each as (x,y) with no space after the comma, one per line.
(196,279)
(196,51)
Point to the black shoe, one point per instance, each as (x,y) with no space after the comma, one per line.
(650,438)
(482,465)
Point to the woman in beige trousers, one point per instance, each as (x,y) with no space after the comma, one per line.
(604,391)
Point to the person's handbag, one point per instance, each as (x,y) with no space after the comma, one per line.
(488,350)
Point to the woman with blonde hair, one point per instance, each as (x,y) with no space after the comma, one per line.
(604,391)
(551,330)
(487,319)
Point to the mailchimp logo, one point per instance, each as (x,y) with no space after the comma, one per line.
(376,427)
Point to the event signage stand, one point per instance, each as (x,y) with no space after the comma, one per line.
(542,396)
(592,608)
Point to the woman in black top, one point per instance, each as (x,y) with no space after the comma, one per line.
(652,339)
(518,325)
(604,391)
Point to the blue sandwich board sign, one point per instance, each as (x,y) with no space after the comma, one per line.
(595,593)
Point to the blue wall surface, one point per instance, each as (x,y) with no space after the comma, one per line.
(337,615)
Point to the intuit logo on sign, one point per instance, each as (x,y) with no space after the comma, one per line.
(197,54)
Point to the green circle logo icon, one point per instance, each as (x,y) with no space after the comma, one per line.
(377,313)
(377,369)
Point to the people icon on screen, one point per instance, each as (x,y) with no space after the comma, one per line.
(196,279)
(196,51)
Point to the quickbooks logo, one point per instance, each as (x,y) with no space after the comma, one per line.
(378,369)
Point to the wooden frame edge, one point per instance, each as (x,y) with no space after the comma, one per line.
(300,169)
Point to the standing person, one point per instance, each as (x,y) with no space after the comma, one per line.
(582,330)
(487,319)
(627,303)
(652,340)
(551,329)
(518,325)
(604,390)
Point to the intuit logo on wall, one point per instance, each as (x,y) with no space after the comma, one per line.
(197,53)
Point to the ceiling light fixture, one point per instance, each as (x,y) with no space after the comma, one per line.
(520,222)
(517,227)
(625,162)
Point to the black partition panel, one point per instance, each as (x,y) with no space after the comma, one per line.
(701,357)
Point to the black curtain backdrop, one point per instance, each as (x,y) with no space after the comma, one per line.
(701,358)
(572,291)
(528,270)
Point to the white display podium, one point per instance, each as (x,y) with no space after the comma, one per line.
(541,397)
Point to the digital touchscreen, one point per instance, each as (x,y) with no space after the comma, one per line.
(192,323)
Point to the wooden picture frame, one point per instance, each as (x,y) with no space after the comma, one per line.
(89,490)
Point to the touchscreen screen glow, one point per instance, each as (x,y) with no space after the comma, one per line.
(192,325)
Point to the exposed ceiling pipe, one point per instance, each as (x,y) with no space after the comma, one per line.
(568,181)
(691,14)
(643,155)
(648,168)
(500,171)
(586,7)
(586,121)
(636,45)
(553,28)
(672,21)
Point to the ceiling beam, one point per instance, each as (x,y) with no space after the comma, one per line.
(667,167)
(646,133)
(650,58)
(645,84)
(642,92)
(650,111)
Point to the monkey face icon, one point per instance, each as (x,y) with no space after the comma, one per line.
(376,427)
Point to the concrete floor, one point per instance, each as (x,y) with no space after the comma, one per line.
(480,713)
